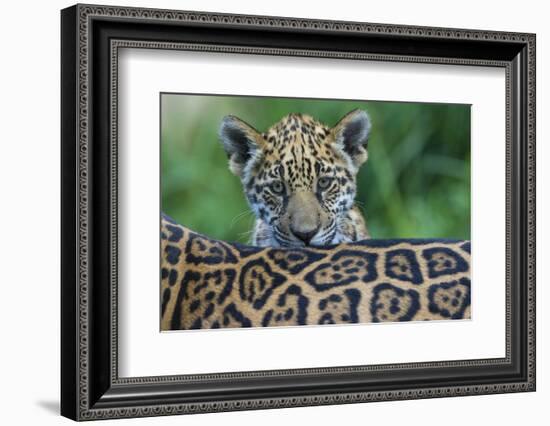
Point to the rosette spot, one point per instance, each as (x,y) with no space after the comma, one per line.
(401,264)
(444,261)
(343,268)
(257,281)
(450,299)
(391,303)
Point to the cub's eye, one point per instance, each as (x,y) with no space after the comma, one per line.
(277,187)
(324,182)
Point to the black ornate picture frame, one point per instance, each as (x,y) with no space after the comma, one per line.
(90,39)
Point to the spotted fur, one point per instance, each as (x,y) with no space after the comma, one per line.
(213,284)
(299,178)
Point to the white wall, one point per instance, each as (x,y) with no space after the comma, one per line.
(29,225)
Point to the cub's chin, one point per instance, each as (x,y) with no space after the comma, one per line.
(293,244)
(289,244)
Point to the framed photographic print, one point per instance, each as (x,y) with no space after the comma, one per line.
(263,212)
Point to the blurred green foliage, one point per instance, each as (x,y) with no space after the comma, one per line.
(415,184)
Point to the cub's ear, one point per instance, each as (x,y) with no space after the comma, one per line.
(241,143)
(351,135)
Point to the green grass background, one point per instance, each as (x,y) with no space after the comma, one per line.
(415,184)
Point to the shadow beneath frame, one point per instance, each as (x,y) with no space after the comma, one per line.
(51,407)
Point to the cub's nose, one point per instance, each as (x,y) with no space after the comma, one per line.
(304,236)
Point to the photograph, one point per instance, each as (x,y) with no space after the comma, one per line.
(291,211)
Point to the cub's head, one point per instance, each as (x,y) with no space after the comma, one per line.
(298,176)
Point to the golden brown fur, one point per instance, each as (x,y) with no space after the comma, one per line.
(213,284)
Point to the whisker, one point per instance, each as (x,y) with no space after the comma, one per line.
(239,217)
(360,205)
(245,237)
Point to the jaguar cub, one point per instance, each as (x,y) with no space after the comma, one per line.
(299,177)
